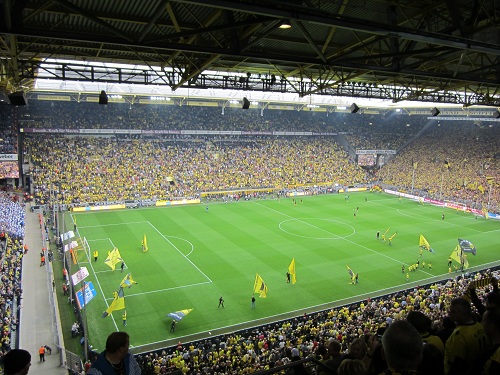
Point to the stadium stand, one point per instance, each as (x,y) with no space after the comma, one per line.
(456,161)
(12,252)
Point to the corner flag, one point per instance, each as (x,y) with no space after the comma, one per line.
(291,270)
(259,286)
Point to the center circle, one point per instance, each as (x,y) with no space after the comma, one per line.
(317,229)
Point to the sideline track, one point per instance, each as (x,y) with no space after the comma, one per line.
(35,324)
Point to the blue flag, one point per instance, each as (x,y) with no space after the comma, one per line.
(467,246)
(178,315)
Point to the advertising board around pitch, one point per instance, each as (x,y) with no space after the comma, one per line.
(90,293)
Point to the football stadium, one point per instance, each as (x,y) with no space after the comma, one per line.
(249,188)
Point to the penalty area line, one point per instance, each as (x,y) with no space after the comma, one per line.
(166,289)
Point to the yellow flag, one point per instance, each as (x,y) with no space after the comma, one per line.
(424,244)
(117,304)
(351,272)
(178,315)
(291,270)
(144,244)
(485,212)
(460,257)
(455,254)
(385,234)
(259,286)
(128,281)
(113,258)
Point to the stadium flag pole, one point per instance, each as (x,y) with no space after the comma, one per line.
(352,275)
(385,234)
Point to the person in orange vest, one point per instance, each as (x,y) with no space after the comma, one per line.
(42,260)
(41,353)
(25,248)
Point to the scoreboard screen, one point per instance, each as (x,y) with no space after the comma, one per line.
(367,160)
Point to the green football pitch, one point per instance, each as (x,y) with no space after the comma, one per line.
(197,255)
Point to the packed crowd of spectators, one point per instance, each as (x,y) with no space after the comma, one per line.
(454,161)
(11,216)
(118,171)
(204,163)
(211,164)
(351,332)
(11,253)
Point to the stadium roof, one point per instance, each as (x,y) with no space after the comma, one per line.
(409,50)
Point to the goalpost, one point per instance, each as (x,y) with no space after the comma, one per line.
(86,248)
(76,246)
